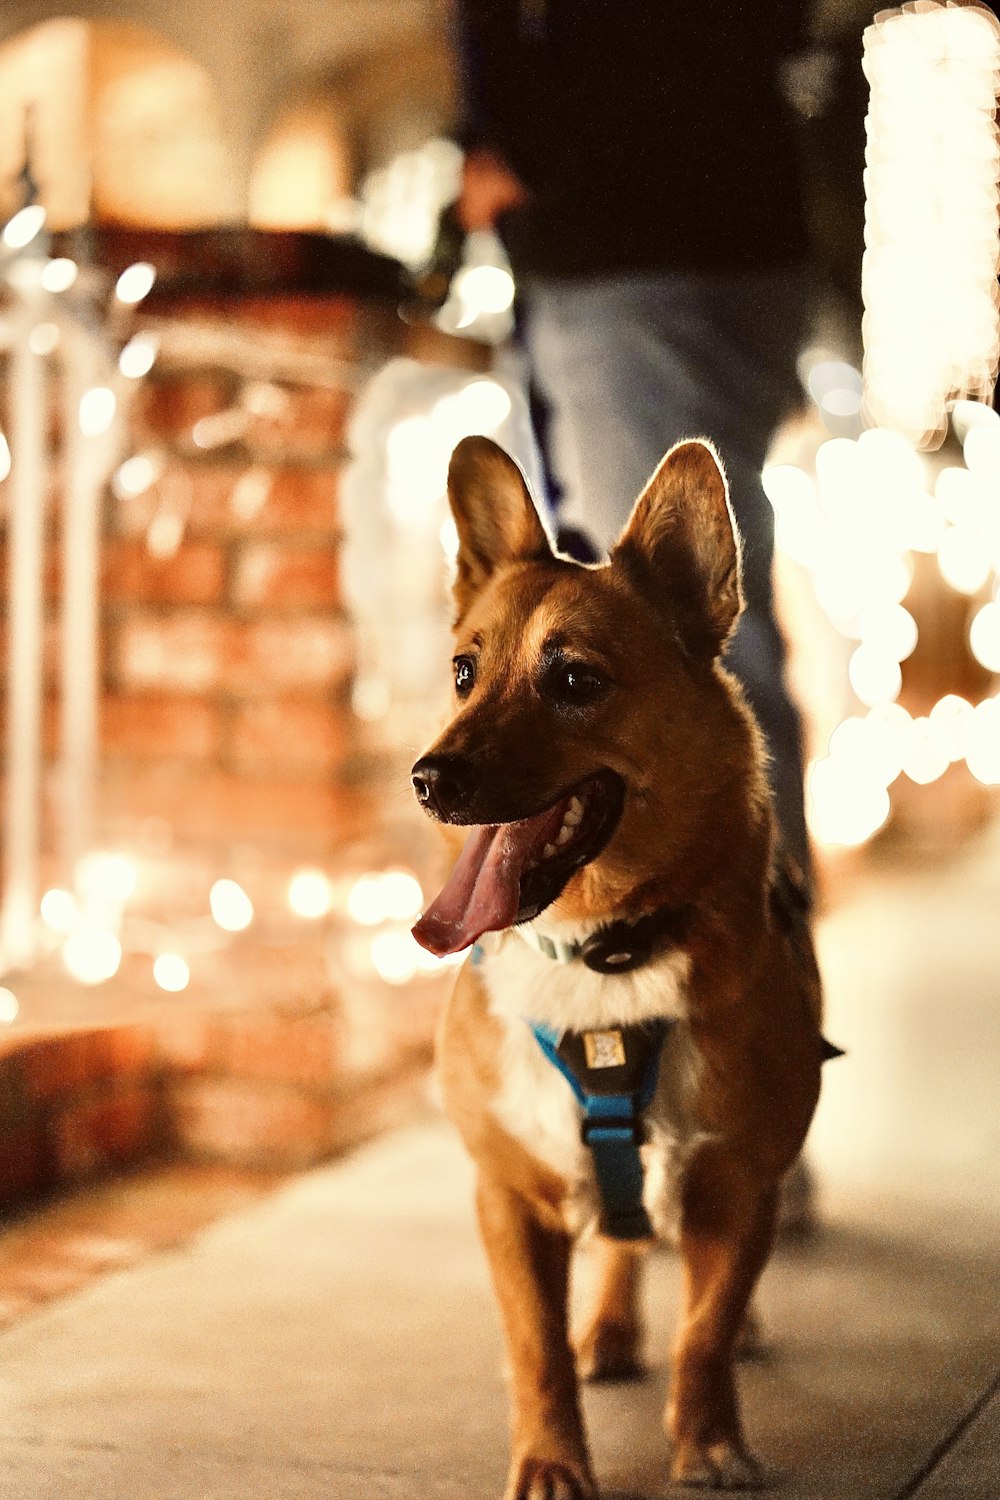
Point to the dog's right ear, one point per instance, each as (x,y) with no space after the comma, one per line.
(682,548)
(494,513)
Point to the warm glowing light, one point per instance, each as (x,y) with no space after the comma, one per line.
(59,275)
(874,675)
(983,753)
(926,756)
(484,290)
(310,893)
(889,629)
(59,910)
(984,636)
(394,957)
(964,498)
(5,457)
(482,406)
(845,806)
(135,282)
(364,903)
(402,896)
(968,414)
(930,264)
(981,451)
(135,475)
(787,486)
(92,955)
(105,877)
(20,230)
(964,559)
(449,538)
(138,356)
(231,906)
(171,973)
(97,410)
(952,717)
(8,1006)
(43,338)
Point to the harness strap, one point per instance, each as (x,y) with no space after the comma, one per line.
(613,1088)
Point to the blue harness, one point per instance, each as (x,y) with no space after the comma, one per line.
(613,1074)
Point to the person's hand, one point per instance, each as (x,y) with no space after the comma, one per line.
(489,188)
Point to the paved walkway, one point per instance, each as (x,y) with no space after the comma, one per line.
(338,1338)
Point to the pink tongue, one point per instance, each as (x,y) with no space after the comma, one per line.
(482,893)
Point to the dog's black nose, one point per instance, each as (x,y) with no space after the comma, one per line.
(443,784)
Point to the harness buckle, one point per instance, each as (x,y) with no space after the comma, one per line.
(616,1128)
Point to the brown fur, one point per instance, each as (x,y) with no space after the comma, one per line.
(695,831)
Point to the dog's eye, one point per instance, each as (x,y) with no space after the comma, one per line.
(465,675)
(574,683)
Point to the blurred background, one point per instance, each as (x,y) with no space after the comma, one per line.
(239,337)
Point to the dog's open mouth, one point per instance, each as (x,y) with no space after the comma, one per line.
(509,872)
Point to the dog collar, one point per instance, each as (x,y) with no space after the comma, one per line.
(613,1073)
(615,947)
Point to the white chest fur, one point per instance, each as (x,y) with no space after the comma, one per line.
(535,1103)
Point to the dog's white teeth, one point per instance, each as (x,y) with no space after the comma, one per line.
(574,812)
(548,851)
(565,834)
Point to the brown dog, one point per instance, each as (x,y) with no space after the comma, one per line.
(636,1044)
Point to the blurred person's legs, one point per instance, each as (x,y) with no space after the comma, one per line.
(629,365)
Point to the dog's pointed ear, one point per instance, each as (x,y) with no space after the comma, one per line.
(495,515)
(682,548)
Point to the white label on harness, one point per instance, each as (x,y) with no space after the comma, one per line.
(604,1049)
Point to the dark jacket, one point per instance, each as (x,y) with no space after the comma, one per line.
(650,134)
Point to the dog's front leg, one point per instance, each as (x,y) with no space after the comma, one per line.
(529,1262)
(609,1348)
(727,1228)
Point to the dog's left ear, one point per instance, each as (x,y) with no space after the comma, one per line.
(494,513)
(682,547)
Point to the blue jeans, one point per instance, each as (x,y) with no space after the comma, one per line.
(630,364)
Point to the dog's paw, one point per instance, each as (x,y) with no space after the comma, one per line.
(609,1351)
(545,1479)
(717,1466)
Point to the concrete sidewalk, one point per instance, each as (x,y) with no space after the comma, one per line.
(338,1339)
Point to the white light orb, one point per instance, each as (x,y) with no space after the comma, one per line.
(927,753)
(981,451)
(138,356)
(310,894)
(4,457)
(964,559)
(402,896)
(800,531)
(135,282)
(952,717)
(923,522)
(59,275)
(44,338)
(787,486)
(481,406)
(983,751)
(889,459)
(394,957)
(97,410)
(874,675)
(844,806)
(230,905)
(366,901)
(964,499)
(874,754)
(8,1006)
(135,476)
(449,538)
(105,877)
(984,636)
(59,910)
(92,955)
(968,414)
(21,229)
(171,973)
(484,290)
(889,628)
